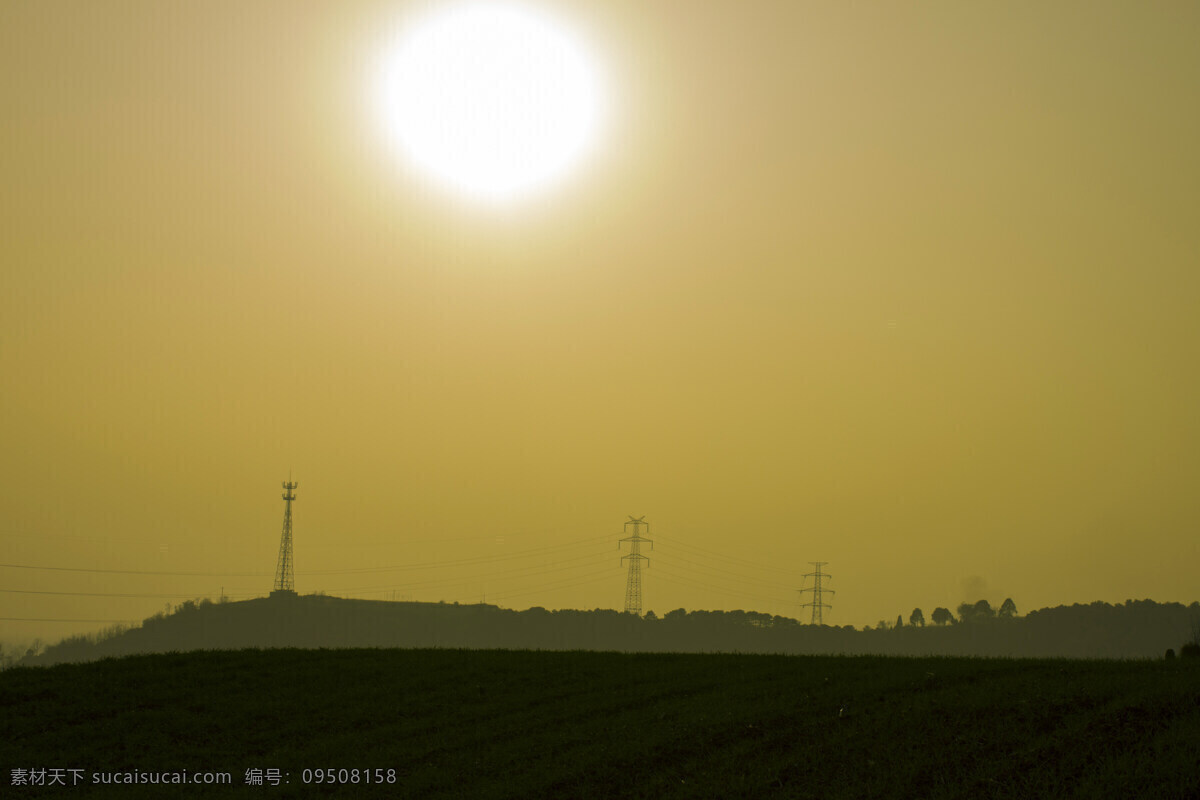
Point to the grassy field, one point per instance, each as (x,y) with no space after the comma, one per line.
(496,724)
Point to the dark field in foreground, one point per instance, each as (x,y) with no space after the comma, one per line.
(493,723)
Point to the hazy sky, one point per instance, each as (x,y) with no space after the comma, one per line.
(910,288)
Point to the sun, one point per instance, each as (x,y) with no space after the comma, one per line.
(493,100)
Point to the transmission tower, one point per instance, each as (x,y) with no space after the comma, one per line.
(633,584)
(818,591)
(285,578)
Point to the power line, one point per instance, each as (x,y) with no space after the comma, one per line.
(817,589)
(352,571)
(666,575)
(116,594)
(139,571)
(49,619)
(577,580)
(697,574)
(461,561)
(209,537)
(734,575)
(591,559)
(721,556)
(581,580)
(633,582)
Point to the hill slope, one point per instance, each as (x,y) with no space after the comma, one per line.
(1135,629)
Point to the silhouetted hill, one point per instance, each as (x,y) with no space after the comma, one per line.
(1135,629)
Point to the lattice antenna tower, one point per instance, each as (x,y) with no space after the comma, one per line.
(633,583)
(818,591)
(285,577)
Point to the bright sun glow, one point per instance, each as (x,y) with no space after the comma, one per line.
(493,99)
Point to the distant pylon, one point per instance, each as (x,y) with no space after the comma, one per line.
(285,578)
(818,590)
(633,584)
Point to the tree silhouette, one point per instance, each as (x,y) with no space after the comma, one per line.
(917,617)
(1008,609)
(941,616)
(980,611)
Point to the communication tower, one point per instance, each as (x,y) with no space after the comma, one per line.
(818,590)
(633,583)
(285,578)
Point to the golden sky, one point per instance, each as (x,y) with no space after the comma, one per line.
(910,288)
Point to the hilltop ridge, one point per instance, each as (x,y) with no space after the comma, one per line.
(1135,629)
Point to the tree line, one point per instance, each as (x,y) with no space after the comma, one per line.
(979,611)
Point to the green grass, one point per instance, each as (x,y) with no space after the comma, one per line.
(498,724)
